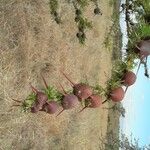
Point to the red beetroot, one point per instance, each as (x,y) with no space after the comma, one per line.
(35,109)
(41,98)
(117,94)
(129,78)
(94,101)
(69,101)
(20,103)
(52,106)
(36,106)
(81,90)
(144,48)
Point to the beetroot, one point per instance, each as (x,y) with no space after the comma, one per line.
(69,101)
(51,107)
(93,101)
(81,90)
(35,109)
(144,48)
(117,94)
(129,78)
(41,98)
(20,103)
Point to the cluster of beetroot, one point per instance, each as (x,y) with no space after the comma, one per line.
(81,93)
(143,51)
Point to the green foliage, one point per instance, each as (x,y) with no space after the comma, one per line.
(82,3)
(94,1)
(138,32)
(114,28)
(98,90)
(130,60)
(145,4)
(113,3)
(108,41)
(53,4)
(29,101)
(118,70)
(83,24)
(111,142)
(118,107)
(81,21)
(53,94)
(81,36)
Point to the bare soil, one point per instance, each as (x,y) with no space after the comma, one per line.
(32,43)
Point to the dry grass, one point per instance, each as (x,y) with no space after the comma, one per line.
(30,43)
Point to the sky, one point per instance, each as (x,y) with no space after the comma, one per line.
(137,105)
(136,101)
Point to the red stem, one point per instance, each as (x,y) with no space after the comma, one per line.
(105,101)
(15,105)
(67,78)
(64,92)
(126,89)
(34,89)
(138,68)
(45,83)
(16,100)
(83,109)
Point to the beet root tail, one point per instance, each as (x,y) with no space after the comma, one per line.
(60,112)
(105,101)
(17,100)
(126,89)
(82,109)
(64,92)
(67,78)
(15,105)
(45,83)
(33,89)
(138,68)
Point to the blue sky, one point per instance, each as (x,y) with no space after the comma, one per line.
(137,104)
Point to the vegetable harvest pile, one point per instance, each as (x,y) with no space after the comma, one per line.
(50,100)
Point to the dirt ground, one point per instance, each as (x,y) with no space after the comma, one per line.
(32,43)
